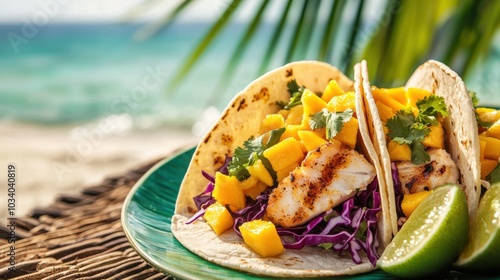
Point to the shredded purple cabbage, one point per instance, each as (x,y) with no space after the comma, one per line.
(398,194)
(350,227)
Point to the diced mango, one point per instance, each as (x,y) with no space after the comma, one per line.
(482,146)
(492,148)
(399,93)
(488,114)
(295,115)
(284,113)
(411,201)
(311,139)
(284,153)
(272,121)
(218,218)
(291,131)
(259,171)
(349,133)
(384,111)
(398,152)
(494,130)
(487,165)
(415,94)
(262,237)
(435,139)
(312,104)
(285,172)
(248,183)
(342,102)
(387,100)
(331,90)
(256,190)
(227,190)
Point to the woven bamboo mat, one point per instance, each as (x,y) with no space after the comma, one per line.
(77,237)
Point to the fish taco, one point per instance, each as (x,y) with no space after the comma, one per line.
(426,135)
(287,182)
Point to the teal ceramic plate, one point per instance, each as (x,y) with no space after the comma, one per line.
(146,217)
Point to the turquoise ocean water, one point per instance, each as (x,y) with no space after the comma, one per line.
(74,73)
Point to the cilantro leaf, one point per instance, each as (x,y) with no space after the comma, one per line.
(295,95)
(494,176)
(404,129)
(251,151)
(333,122)
(430,108)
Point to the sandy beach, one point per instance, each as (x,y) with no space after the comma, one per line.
(52,160)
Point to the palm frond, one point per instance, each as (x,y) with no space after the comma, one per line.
(332,25)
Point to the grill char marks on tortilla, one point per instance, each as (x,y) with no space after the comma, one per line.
(327,177)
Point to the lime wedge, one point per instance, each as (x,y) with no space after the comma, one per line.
(482,252)
(432,238)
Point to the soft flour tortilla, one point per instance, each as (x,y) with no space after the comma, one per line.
(460,127)
(241,120)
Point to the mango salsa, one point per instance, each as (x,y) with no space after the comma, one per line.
(227,190)
(492,147)
(482,146)
(331,90)
(218,217)
(387,100)
(384,111)
(411,201)
(494,130)
(399,152)
(256,190)
(312,104)
(435,139)
(248,183)
(259,171)
(272,121)
(349,133)
(488,114)
(415,94)
(284,172)
(342,102)
(295,115)
(487,165)
(399,93)
(311,139)
(291,131)
(262,237)
(285,153)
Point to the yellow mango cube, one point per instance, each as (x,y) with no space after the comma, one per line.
(218,218)
(415,94)
(285,172)
(494,130)
(487,165)
(311,139)
(272,121)
(384,111)
(227,190)
(256,190)
(284,113)
(488,114)
(435,139)
(387,100)
(411,201)
(482,146)
(331,90)
(295,115)
(312,104)
(262,237)
(342,102)
(259,171)
(248,183)
(492,147)
(398,152)
(399,93)
(291,131)
(349,133)
(284,153)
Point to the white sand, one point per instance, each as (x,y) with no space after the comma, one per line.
(55,160)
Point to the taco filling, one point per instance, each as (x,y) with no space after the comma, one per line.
(304,180)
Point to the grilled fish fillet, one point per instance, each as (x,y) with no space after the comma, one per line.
(441,169)
(327,177)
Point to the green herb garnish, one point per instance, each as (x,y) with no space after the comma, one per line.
(494,176)
(253,150)
(333,122)
(405,128)
(295,95)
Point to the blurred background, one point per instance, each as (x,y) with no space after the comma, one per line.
(90,89)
